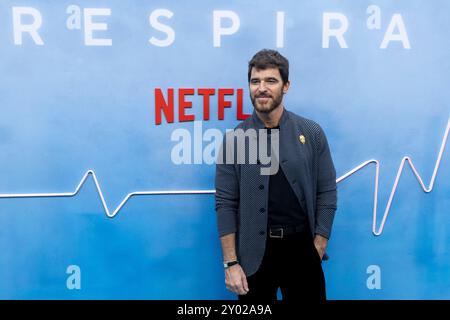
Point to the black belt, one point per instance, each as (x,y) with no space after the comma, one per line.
(284,231)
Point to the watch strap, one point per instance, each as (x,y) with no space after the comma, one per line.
(230,263)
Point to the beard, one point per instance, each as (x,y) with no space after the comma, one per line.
(273,102)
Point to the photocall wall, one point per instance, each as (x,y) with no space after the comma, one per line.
(112,112)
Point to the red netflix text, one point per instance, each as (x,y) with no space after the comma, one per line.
(226,98)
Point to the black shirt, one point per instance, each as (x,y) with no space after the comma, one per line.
(284,208)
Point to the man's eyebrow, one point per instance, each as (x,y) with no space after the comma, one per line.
(266,78)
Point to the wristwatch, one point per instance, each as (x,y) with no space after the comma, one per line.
(230,263)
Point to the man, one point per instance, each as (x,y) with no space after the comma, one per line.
(274,228)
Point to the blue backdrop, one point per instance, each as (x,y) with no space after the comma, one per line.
(68,107)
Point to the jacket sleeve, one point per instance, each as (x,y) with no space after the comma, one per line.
(326,193)
(227,194)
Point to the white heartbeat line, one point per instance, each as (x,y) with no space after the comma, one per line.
(212,191)
(397,178)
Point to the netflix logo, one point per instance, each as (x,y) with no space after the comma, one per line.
(224,98)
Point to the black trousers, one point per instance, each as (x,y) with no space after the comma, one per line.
(292,264)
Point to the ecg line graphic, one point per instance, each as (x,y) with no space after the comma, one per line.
(212,191)
(397,178)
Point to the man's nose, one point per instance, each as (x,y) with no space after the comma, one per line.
(262,86)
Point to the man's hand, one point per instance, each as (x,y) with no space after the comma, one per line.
(235,279)
(320,243)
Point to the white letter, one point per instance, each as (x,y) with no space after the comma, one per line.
(374,281)
(280,29)
(338,33)
(214,135)
(218,31)
(274,156)
(89,26)
(374,20)
(198,142)
(401,36)
(74,280)
(32,28)
(153,19)
(74,20)
(181,152)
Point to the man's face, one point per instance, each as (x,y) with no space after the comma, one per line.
(266,89)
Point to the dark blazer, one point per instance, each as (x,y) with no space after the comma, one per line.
(242,191)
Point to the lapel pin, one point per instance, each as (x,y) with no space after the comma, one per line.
(302,139)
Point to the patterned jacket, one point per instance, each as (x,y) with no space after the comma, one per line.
(242,191)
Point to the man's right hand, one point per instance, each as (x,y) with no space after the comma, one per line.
(235,280)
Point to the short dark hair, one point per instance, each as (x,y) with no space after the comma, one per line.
(267,58)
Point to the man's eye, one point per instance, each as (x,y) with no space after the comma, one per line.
(272,81)
(254,81)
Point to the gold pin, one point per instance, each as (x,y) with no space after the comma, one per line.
(302,139)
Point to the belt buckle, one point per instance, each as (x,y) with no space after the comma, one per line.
(276,236)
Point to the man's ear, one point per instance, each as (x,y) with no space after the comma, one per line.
(286,86)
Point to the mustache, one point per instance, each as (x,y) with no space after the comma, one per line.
(262,95)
